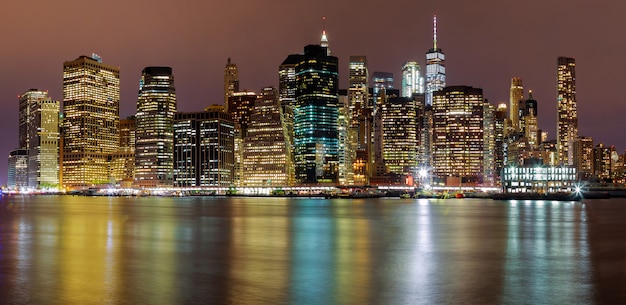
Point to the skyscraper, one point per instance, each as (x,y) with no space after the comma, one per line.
(231,81)
(516,95)
(154,144)
(17,177)
(399,134)
(266,149)
(315,116)
(567,115)
(240,106)
(42,137)
(435,67)
(358,83)
(204,147)
(458,135)
(412,80)
(91,103)
(381,80)
(584,157)
(528,121)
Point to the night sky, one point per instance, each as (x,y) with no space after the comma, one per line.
(486,42)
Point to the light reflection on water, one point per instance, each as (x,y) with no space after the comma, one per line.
(81,250)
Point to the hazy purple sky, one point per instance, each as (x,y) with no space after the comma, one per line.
(486,42)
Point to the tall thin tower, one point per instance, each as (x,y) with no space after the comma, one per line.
(567,117)
(516,95)
(435,67)
(231,81)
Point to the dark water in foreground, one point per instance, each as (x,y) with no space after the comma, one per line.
(99,250)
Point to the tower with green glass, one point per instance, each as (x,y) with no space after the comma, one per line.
(315,116)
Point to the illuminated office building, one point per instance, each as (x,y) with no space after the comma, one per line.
(381,80)
(154,144)
(287,92)
(266,150)
(315,116)
(122,162)
(41,139)
(602,161)
(435,67)
(412,80)
(458,135)
(358,83)
(399,135)
(489,145)
(500,118)
(240,106)
(347,135)
(528,121)
(231,81)
(516,94)
(90,128)
(567,115)
(584,157)
(17,177)
(203,148)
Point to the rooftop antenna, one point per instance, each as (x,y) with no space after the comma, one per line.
(435,32)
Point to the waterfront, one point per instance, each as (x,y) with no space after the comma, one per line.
(210,250)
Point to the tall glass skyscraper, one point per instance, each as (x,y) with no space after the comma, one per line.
(154,144)
(39,120)
(315,116)
(412,80)
(435,68)
(91,107)
(516,94)
(567,115)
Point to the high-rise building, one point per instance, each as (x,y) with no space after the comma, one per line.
(500,118)
(412,80)
(266,148)
(315,116)
(128,127)
(399,135)
(489,144)
(41,139)
(381,80)
(122,162)
(435,67)
(90,129)
(358,84)
(458,135)
(347,136)
(154,134)
(516,94)
(231,81)
(567,115)
(203,148)
(287,92)
(17,177)
(240,106)
(584,157)
(602,161)
(529,122)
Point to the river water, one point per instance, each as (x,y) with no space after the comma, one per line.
(209,250)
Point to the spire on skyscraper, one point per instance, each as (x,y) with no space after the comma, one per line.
(324,40)
(435,32)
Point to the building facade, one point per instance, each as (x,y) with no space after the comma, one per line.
(154,134)
(17,177)
(315,117)
(204,149)
(458,135)
(399,135)
(567,114)
(412,80)
(90,128)
(266,148)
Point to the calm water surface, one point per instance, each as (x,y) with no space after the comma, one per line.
(204,250)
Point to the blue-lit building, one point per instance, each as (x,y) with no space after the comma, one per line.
(435,68)
(315,116)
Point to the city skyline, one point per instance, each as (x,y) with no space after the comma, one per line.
(484,49)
